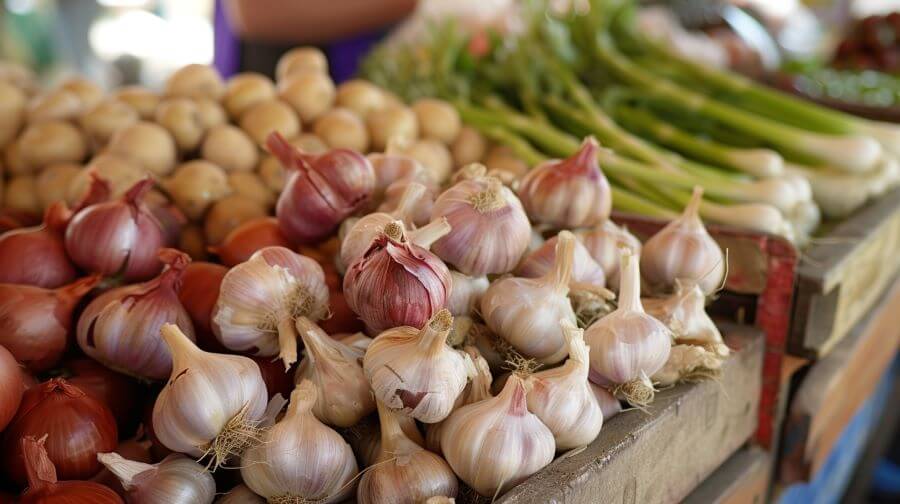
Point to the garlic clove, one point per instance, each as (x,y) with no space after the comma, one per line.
(478,389)
(466,293)
(603,243)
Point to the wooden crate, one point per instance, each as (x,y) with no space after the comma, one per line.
(835,388)
(661,455)
(742,479)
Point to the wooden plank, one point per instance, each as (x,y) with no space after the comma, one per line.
(836,387)
(742,479)
(843,276)
(661,455)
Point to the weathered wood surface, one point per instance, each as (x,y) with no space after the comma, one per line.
(661,455)
(742,479)
(842,277)
(836,387)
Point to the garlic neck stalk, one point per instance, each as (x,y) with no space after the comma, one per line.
(561,274)
(433,338)
(124,469)
(426,235)
(406,207)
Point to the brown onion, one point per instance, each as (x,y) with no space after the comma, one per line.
(199,291)
(77,427)
(36,321)
(118,392)
(249,237)
(321,190)
(43,487)
(117,237)
(11,387)
(121,328)
(37,256)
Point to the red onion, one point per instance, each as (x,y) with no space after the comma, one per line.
(121,328)
(37,255)
(43,487)
(35,322)
(77,427)
(117,237)
(249,237)
(11,387)
(396,283)
(118,392)
(199,291)
(321,190)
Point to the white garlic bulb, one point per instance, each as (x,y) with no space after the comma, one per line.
(300,459)
(683,250)
(628,346)
(405,473)
(689,363)
(603,243)
(490,230)
(478,389)
(355,340)
(497,443)
(230,389)
(334,368)
(525,312)
(415,371)
(420,213)
(609,405)
(684,313)
(241,495)
(260,299)
(562,398)
(175,480)
(365,437)
(466,292)
(585,269)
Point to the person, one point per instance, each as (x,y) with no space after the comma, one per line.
(250,35)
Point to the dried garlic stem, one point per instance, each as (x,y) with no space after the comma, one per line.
(426,235)
(287,340)
(394,231)
(490,199)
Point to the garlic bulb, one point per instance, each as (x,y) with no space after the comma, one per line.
(562,398)
(334,368)
(396,283)
(175,480)
(466,293)
(603,243)
(490,229)
(405,473)
(585,269)
(689,363)
(609,405)
(415,371)
(628,346)
(300,459)
(526,311)
(478,389)
(420,212)
(684,314)
(355,340)
(260,299)
(683,250)
(359,234)
(241,495)
(391,167)
(230,389)
(495,444)
(568,193)
(365,437)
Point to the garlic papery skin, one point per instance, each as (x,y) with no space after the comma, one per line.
(300,459)
(212,404)
(414,371)
(396,283)
(175,480)
(495,444)
(603,243)
(628,346)
(120,328)
(466,293)
(689,363)
(585,269)
(683,250)
(685,315)
(357,239)
(562,398)
(490,230)
(241,495)
(335,369)
(405,473)
(568,193)
(478,389)
(260,299)
(525,312)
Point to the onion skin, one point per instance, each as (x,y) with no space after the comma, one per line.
(43,487)
(118,237)
(120,393)
(77,425)
(35,322)
(321,191)
(249,237)
(11,387)
(199,292)
(37,256)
